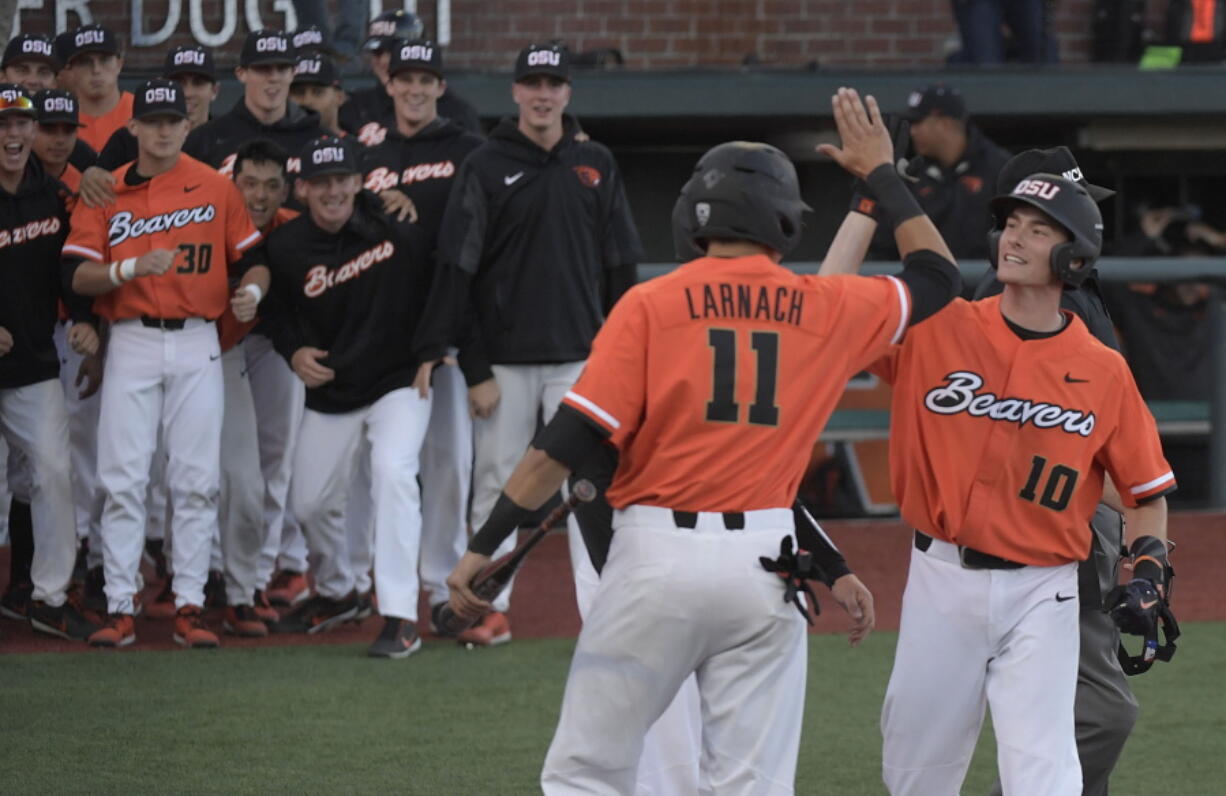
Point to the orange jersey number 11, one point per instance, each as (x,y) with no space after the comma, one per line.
(723,408)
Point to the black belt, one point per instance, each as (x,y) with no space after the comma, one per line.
(971,558)
(165,324)
(733,520)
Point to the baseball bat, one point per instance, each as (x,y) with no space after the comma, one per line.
(490,582)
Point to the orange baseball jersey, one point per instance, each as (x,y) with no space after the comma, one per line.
(191,208)
(97,130)
(230,330)
(71,178)
(715,380)
(1000,444)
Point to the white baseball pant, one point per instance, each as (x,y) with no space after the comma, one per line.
(446,481)
(360,523)
(240,512)
(279,397)
(972,638)
(673,602)
(327,450)
(501,439)
(170,379)
(83,443)
(34,422)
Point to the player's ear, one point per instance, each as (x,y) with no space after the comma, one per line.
(442,86)
(216,91)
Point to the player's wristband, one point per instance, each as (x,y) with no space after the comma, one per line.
(127,269)
(865,206)
(503,521)
(1149,559)
(113,273)
(255,291)
(894,200)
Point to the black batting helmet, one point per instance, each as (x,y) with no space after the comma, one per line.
(1069,205)
(740,190)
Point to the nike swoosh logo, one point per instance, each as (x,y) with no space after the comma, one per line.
(189,189)
(1068,377)
(1148,605)
(214,358)
(1062,598)
(511,178)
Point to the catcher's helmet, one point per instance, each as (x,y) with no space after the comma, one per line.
(1069,205)
(740,190)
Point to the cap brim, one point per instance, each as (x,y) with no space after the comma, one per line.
(416,68)
(94,48)
(210,76)
(59,120)
(324,171)
(545,72)
(1098,193)
(270,60)
(33,114)
(49,60)
(159,112)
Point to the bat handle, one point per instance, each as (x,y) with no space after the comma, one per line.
(450,623)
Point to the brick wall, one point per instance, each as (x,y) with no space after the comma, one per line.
(649,33)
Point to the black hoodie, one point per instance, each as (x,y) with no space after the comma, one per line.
(373,105)
(360,294)
(423,166)
(217,141)
(539,234)
(33,227)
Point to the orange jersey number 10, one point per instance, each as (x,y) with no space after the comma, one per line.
(1061,480)
(723,408)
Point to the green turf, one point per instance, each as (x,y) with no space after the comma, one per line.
(306,720)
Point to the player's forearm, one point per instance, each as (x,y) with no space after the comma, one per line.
(918,233)
(534,480)
(1147,519)
(95,279)
(1111,496)
(257,275)
(850,245)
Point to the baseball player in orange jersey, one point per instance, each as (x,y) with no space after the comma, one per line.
(1006,415)
(713,382)
(92,61)
(157,261)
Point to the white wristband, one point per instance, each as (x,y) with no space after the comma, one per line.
(127,269)
(113,273)
(255,291)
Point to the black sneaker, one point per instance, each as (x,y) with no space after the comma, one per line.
(316,614)
(63,621)
(80,567)
(398,639)
(436,624)
(15,603)
(215,590)
(366,607)
(95,591)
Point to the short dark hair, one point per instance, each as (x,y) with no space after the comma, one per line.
(262,150)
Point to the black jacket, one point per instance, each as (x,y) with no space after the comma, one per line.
(360,294)
(424,167)
(539,234)
(956,199)
(216,141)
(368,105)
(120,148)
(33,227)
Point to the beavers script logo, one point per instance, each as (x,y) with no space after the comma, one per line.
(320,279)
(959,395)
(124,225)
(30,231)
(381,179)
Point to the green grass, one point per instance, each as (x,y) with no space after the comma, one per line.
(324,719)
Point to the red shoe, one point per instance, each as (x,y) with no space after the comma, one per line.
(241,620)
(163,606)
(263,609)
(119,631)
(492,630)
(190,630)
(288,588)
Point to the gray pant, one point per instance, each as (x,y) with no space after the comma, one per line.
(1106,709)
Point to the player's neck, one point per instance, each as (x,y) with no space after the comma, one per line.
(411,127)
(332,123)
(331,227)
(150,166)
(1033,307)
(54,169)
(544,137)
(740,248)
(11,180)
(101,105)
(265,116)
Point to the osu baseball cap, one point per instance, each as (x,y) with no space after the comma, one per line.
(389,26)
(56,106)
(327,155)
(30,47)
(1059,161)
(159,97)
(938,98)
(416,54)
(315,68)
(267,47)
(190,59)
(543,59)
(14,101)
(309,40)
(88,39)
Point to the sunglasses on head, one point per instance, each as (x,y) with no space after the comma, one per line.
(16,102)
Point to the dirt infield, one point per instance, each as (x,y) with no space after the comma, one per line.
(544,604)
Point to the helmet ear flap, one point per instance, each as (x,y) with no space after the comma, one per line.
(1062,256)
(994,248)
